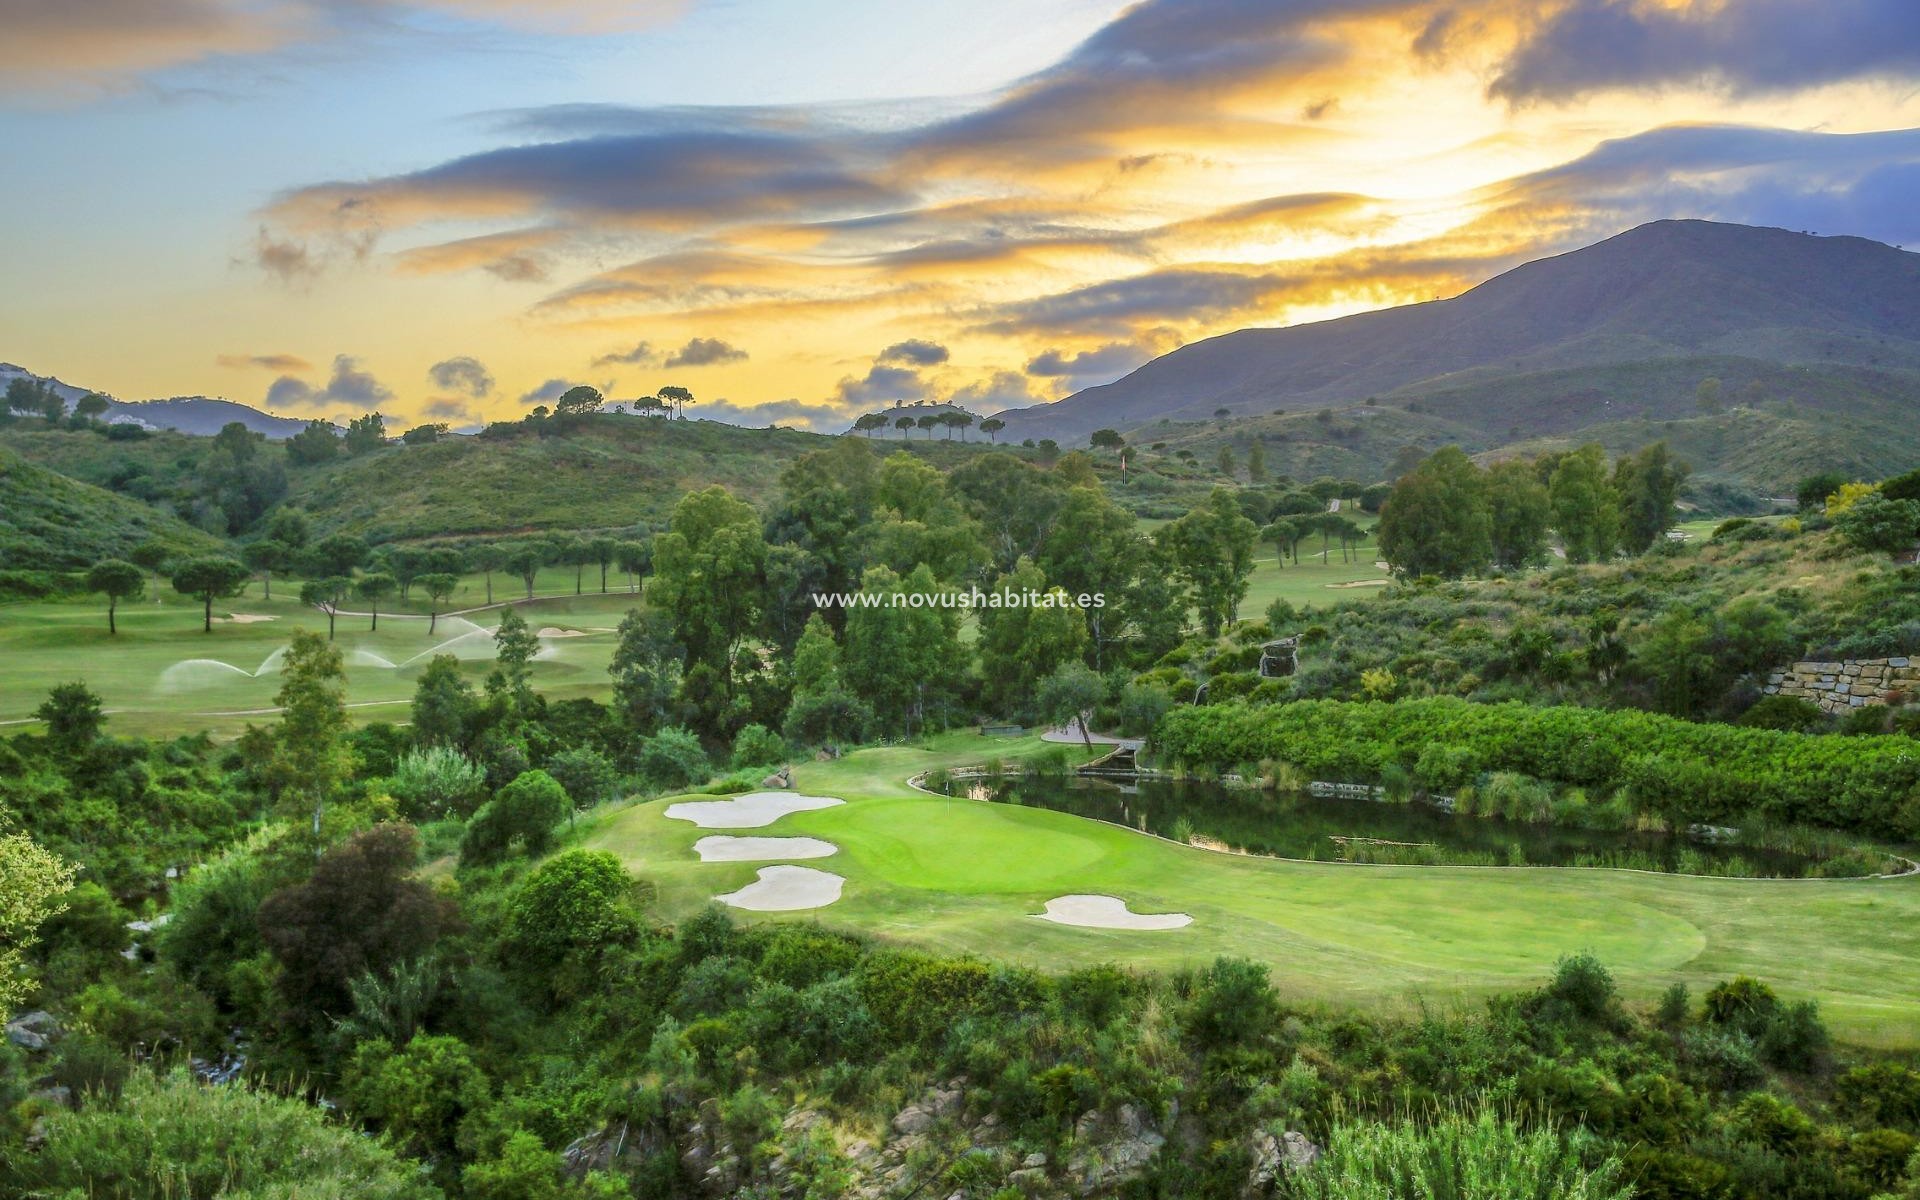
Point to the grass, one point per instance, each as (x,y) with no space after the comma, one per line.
(51,522)
(140,676)
(967,876)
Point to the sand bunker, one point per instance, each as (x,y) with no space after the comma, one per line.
(554,631)
(722,847)
(751,811)
(785,889)
(1107,912)
(243,619)
(1361,583)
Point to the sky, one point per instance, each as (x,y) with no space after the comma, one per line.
(453,210)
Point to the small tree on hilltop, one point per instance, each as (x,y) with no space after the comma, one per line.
(266,558)
(905,426)
(992,427)
(373,589)
(438,587)
(116,581)
(210,579)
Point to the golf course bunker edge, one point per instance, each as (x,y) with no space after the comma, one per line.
(1107,912)
(721,847)
(753,810)
(786,889)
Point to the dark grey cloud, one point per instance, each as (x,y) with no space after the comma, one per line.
(285,259)
(1749,46)
(1118,306)
(1002,390)
(706,352)
(350,385)
(451,408)
(914,352)
(882,385)
(547,392)
(1113,359)
(640,355)
(462,374)
(271,362)
(820,417)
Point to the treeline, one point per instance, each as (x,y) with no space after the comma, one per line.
(1681,770)
(1450,518)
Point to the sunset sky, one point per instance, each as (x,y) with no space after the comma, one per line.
(453,209)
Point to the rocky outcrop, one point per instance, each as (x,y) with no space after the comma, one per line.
(1275,1156)
(33,1031)
(1838,687)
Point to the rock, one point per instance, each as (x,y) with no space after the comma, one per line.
(54,1097)
(34,1031)
(1298,1151)
(1033,1161)
(913,1119)
(781,779)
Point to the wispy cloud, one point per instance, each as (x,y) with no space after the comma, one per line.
(350,385)
(462,374)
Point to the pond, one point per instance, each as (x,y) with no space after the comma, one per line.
(1296,825)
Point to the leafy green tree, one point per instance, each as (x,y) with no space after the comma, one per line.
(905,426)
(152,557)
(425,435)
(707,571)
(171,1135)
(677,399)
(1519,513)
(523,814)
(672,760)
(1256,463)
(899,658)
(514,648)
(1586,509)
(1224,463)
(486,558)
(318,443)
(265,557)
(633,558)
(210,579)
(32,882)
(420,1093)
(1876,523)
(439,587)
(524,561)
(1071,693)
(312,757)
(646,668)
(1023,643)
(374,588)
(1811,492)
(1106,439)
(443,704)
(1436,520)
(1706,397)
(575,905)
(1212,550)
(822,709)
(338,554)
(991,427)
(437,782)
(73,715)
(117,581)
(327,595)
(366,434)
(91,407)
(1647,485)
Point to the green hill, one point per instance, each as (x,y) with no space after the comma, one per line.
(49,522)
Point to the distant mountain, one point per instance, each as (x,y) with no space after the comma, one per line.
(1701,298)
(188,414)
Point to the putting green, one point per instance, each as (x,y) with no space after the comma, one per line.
(963,875)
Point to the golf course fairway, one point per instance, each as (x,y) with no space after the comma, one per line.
(963,875)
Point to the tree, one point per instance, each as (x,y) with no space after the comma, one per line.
(991,427)
(868,422)
(1876,523)
(91,406)
(822,710)
(117,581)
(312,757)
(1436,520)
(438,586)
(366,433)
(646,669)
(1038,631)
(442,703)
(326,595)
(487,558)
(523,813)
(898,657)
(1285,535)
(360,911)
(318,443)
(1586,509)
(574,906)
(905,426)
(1212,550)
(266,557)
(707,576)
(374,588)
(525,560)
(1225,461)
(289,527)
(1106,439)
(1811,493)
(926,421)
(210,579)
(677,398)
(152,557)
(425,435)
(337,554)
(578,401)
(602,551)
(31,884)
(514,648)
(1706,397)
(1646,486)
(1256,463)
(73,717)
(1071,693)
(633,558)
(1519,513)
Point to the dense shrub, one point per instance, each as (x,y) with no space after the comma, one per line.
(1686,771)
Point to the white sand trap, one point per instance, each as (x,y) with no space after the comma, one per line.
(721,847)
(751,811)
(785,889)
(554,631)
(243,619)
(1108,912)
(1360,583)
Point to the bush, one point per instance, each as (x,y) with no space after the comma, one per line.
(585,774)
(1784,712)
(523,814)
(575,903)
(758,746)
(1457,1155)
(437,782)
(673,760)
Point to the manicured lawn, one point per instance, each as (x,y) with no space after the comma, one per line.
(963,875)
(163,675)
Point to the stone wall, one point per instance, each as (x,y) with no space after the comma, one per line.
(1839,686)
